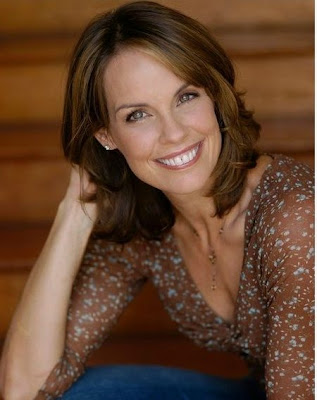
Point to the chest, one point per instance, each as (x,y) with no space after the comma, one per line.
(216,276)
(187,297)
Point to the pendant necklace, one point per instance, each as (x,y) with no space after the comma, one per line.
(212,259)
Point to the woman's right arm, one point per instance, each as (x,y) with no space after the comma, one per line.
(36,338)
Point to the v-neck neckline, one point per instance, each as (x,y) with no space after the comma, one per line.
(249,219)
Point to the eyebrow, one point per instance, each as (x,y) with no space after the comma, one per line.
(184,86)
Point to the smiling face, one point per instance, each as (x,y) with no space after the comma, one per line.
(165,128)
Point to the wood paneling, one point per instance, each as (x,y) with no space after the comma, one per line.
(171,351)
(273,42)
(31,93)
(26,183)
(36,50)
(34,142)
(287,134)
(46,16)
(271,87)
(10,290)
(250,43)
(20,245)
(35,92)
(272,46)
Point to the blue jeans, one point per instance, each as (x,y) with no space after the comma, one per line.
(149,382)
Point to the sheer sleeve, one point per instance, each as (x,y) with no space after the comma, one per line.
(107,281)
(288,279)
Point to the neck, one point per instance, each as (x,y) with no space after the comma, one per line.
(196,213)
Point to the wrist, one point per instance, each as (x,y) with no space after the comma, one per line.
(81,216)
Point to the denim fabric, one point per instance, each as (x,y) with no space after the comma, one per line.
(149,382)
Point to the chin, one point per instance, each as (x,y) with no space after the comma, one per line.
(188,187)
(185,182)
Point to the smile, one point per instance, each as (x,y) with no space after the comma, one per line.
(183,159)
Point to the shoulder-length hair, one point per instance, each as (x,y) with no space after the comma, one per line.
(128,206)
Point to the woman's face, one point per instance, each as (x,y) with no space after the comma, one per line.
(165,128)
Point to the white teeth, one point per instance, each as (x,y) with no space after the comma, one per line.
(178,161)
(182,159)
(186,158)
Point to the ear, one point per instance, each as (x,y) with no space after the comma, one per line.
(104,139)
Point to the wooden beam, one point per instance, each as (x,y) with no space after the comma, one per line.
(40,17)
(35,49)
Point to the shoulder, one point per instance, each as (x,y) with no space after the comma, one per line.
(286,175)
(286,191)
(139,253)
(282,238)
(284,221)
(110,257)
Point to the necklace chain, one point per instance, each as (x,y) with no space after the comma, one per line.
(212,257)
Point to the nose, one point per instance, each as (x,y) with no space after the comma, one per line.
(172,130)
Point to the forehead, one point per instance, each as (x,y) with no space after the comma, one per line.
(133,74)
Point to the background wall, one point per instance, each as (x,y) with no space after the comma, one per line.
(271,43)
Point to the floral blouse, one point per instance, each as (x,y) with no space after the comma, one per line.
(273,326)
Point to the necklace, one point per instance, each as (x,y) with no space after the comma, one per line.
(212,259)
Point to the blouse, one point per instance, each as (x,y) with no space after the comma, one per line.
(273,326)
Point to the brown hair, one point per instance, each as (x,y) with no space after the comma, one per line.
(128,206)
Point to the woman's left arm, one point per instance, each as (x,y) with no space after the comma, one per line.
(289,292)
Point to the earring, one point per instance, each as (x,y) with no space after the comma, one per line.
(106,147)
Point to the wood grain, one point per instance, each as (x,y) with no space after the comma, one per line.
(271,87)
(26,183)
(31,93)
(170,351)
(287,134)
(294,41)
(34,93)
(20,245)
(272,46)
(274,42)
(45,16)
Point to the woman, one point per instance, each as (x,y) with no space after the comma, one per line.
(167,166)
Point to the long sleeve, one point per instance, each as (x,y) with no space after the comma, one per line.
(107,281)
(288,279)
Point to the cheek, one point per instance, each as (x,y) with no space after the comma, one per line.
(208,117)
(135,147)
(202,118)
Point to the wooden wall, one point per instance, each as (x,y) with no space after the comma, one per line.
(271,43)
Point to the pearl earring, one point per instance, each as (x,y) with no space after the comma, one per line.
(106,147)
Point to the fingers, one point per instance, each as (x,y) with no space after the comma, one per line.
(79,184)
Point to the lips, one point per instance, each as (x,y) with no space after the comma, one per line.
(181,158)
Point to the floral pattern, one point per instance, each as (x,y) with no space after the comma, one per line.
(273,326)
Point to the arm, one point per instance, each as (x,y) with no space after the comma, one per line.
(107,281)
(35,340)
(290,300)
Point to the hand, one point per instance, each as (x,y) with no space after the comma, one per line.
(80,184)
